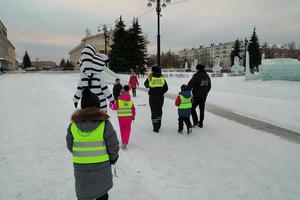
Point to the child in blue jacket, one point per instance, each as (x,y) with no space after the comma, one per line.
(184,103)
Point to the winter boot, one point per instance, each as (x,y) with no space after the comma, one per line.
(200,124)
(179,131)
(189,130)
(123,146)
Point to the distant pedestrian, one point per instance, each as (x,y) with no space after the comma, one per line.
(1,69)
(93,142)
(133,83)
(137,71)
(200,85)
(184,103)
(142,71)
(126,113)
(117,88)
(158,86)
(91,66)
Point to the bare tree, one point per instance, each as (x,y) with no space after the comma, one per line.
(204,58)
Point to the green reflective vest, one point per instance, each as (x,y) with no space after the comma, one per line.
(156,82)
(89,147)
(185,103)
(124,108)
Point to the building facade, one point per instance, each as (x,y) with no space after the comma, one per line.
(207,55)
(98,41)
(44,65)
(7,50)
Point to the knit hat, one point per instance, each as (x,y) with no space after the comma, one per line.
(184,87)
(89,99)
(200,67)
(126,88)
(155,69)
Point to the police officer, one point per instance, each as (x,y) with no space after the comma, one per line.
(200,85)
(157,88)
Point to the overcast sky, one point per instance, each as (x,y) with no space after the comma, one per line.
(50,29)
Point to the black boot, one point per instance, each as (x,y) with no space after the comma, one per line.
(200,124)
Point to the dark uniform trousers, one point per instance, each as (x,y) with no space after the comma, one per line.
(156,102)
(198,101)
(104,197)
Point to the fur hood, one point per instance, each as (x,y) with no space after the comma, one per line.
(89,114)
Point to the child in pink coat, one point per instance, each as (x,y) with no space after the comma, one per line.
(126,113)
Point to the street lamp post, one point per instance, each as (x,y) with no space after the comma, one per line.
(246,47)
(159,4)
(106,37)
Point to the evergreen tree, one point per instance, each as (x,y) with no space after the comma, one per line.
(62,63)
(119,50)
(137,45)
(254,51)
(236,51)
(68,66)
(26,61)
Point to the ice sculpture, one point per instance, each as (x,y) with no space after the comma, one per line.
(280,69)
(236,68)
(194,64)
(186,66)
(217,69)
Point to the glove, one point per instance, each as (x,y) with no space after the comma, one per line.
(112,162)
(75,104)
(133,118)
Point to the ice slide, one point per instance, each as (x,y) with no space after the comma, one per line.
(110,76)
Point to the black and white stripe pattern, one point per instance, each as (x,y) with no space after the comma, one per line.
(91,66)
(90,61)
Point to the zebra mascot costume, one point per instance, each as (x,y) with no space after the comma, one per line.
(91,65)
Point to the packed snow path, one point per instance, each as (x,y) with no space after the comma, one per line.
(290,135)
(225,160)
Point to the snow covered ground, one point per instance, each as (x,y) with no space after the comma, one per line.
(275,102)
(223,161)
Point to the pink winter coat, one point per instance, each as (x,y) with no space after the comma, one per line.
(125,97)
(133,81)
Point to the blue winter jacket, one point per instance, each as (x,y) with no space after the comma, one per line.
(185,112)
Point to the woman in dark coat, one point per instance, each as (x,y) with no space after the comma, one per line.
(93,181)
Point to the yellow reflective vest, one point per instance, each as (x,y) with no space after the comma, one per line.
(185,103)
(89,147)
(124,108)
(155,82)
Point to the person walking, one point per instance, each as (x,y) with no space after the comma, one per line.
(142,71)
(200,86)
(126,114)
(91,66)
(158,86)
(93,142)
(133,83)
(117,89)
(1,69)
(184,103)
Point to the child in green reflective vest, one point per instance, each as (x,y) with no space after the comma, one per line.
(184,103)
(93,142)
(126,113)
